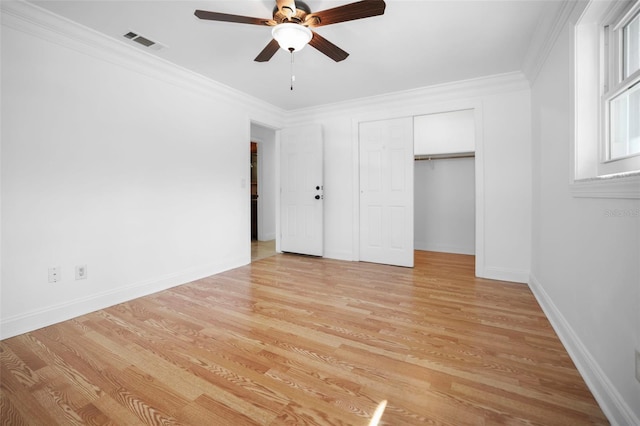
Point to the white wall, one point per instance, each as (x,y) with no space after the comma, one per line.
(118,162)
(585,263)
(444,205)
(502,106)
(507,179)
(266,139)
(444,133)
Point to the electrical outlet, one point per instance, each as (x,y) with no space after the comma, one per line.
(638,365)
(81,272)
(54,274)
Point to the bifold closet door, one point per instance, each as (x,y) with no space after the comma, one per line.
(386,191)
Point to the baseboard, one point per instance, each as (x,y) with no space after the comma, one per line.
(421,245)
(267,237)
(504,274)
(36,319)
(609,399)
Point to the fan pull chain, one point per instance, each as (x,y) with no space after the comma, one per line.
(293,77)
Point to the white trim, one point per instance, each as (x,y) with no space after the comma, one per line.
(278,190)
(479,195)
(39,318)
(611,402)
(355,219)
(625,18)
(614,187)
(545,38)
(406,103)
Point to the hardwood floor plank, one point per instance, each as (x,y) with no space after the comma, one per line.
(508,406)
(17,368)
(9,414)
(304,341)
(118,413)
(55,401)
(223,414)
(20,400)
(142,409)
(92,415)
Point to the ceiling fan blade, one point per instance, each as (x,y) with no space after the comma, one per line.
(225,17)
(328,48)
(268,52)
(348,12)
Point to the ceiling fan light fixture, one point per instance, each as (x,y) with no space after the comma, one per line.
(291,37)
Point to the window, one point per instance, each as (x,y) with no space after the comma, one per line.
(606,143)
(622,86)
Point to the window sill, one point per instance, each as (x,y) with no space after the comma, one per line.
(607,187)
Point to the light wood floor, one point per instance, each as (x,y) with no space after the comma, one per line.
(262,249)
(304,341)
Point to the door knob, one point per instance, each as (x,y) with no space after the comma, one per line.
(317,197)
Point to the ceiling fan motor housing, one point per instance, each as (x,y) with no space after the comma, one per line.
(289,15)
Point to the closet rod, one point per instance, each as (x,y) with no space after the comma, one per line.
(445,156)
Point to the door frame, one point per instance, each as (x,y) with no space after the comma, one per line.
(273,163)
(476,106)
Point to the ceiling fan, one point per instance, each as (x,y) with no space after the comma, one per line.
(292,21)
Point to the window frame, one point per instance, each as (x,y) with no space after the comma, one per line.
(592,176)
(615,84)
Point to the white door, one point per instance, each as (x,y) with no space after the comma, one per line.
(301,190)
(386,191)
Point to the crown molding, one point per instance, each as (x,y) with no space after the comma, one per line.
(413,99)
(31,19)
(545,36)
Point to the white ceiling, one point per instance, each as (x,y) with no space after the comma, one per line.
(414,44)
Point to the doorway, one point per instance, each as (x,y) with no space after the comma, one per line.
(254,191)
(262,194)
(445,189)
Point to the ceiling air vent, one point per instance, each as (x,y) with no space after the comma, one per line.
(143,41)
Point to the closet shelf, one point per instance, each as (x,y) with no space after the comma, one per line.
(445,156)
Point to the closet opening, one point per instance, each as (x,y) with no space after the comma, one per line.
(444,182)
